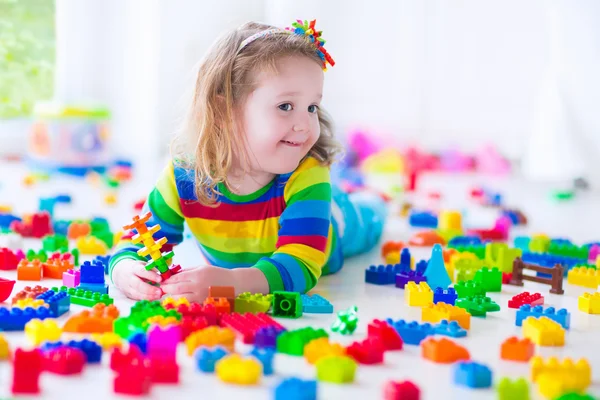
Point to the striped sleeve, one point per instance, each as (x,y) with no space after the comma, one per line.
(164,204)
(304,231)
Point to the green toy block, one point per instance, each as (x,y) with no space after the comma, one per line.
(562,195)
(478,250)
(40,255)
(539,244)
(105,236)
(137,319)
(287,304)
(98,226)
(162,264)
(449,234)
(469,289)
(477,306)
(491,279)
(54,243)
(569,250)
(499,255)
(576,396)
(466,268)
(253,303)
(85,298)
(509,389)
(336,369)
(293,342)
(75,254)
(346,321)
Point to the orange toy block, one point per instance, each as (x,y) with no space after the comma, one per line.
(144,235)
(321,347)
(435,313)
(29,271)
(221,304)
(210,337)
(391,247)
(426,239)
(77,230)
(443,351)
(97,320)
(515,349)
(227,292)
(55,267)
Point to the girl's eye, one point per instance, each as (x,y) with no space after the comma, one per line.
(313,108)
(285,107)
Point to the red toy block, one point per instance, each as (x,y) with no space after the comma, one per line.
(405,390)
(535,299)
(506,278)
(120,360)
(369,351)
(27,367)
(37,225)
(221,304)
(246,325)
(163,371)
(54,268)
(388,336)
(8,259)
(6,288)
(174,269)
(133,380)
(64,361)
(190,325)
(29,292)
(196,310)
(138,205)
(515,349)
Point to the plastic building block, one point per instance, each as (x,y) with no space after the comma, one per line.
(108,340)
(555,378)
(473,375)
(4,348)
(36,226)
(293,342)
(435,313)
(253,302)
(64,361)
(478,249)
(569,250)
(450,220)
(517,389)
(29,271)
(227,292)
(55,243)
(316,304)
(133,371)
(100,288)
(561,316)
(8,259)
(422,219)
(27,368)
(38,331)
(404,277)
(104,260)
(346,321)
(575,396)
(29,303)
(296,389)
(248,325)
(549,260)
(515,349)
(443,351)
(533,299)
(6,219)
(411,332)
(462,241)
(544,331)
(391,247)
(54,268)
(469,289)
(206,358)
(418,295)
(491,279)
(421,266)
(6,288)
(99,319)
(405,390)
(221,304)
(92,272)
(436,273)
(586,277)
(85,298)
(41,255)
(162,342)
(163,370)
(478,306)
(451,329)
(29,292)
(589,303)
(447,296)
(499,255)
(210,336)
(382,274)
(265,356)
(15,319)
(369,351)
(386,334)
(78,229)
(336,369)
(235,369)
(59,303)
(498,233)
(71,278)
(466,265)
(267,336)
(287,304)
(92,350)
(321,347)
(140,340)
(426,239)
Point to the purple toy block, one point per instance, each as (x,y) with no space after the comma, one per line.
(162,342)
(72,278)
(267,336)
(410,276)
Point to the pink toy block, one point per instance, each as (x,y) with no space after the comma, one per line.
(162,343)
(72,278)
(594,253)
(454,161)
(490,161)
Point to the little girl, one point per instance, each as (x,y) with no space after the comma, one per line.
(250,175)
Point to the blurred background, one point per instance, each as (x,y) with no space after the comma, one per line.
(521,77)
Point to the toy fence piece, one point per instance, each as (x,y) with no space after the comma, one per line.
(556,275)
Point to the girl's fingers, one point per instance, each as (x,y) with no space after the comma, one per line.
(149,275)
(176,288)
(145,290)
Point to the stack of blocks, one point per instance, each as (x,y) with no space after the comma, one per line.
(92,277)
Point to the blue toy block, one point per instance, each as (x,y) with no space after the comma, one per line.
(409,276)
(549,260)
(512,215)
(59,303)
(411,332)
(265,355)
(421,266)
(436,273)
(94,287)
(405,259)
(140,339)
(522,243)
(296,389)
(561,242)
(382,274)
(7,219)
(451,329)
(104,260)
(15,319)
(92,350)
(473,375)
(464,241)
(423,219)
(561,316)
(92,272)
(61,227)
(206,358)
(63,198)
(267,336)
(47,204)
(315,304)
(447,296)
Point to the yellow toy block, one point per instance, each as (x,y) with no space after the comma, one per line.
(4,349)
(161,320)
(589,303)
(209,337)
(598,262)
(435,313)
(418,295)
(321,347)
(586,277)
(450,220)
(175,303)
(393,257)
(236,369)
(5,208)
(108,340)
(91,245)
(110,199)
(543,331)
(29,302)
(555,377)
(38,331)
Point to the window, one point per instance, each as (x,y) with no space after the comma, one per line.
(27,41)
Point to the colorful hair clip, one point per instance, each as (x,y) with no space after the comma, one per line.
(308,30)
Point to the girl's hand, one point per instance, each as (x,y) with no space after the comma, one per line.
(131,278)
(193,283)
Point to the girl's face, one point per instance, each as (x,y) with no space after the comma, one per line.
(280,120)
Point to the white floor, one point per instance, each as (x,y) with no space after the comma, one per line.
(576,220)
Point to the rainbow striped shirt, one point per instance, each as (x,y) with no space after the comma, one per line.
(285,229)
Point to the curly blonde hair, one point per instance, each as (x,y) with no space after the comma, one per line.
(225,80)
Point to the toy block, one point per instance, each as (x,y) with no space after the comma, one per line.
(4,348)
(15,319)
(296,389)
(163,371)
(29,292)
(435,313)
(29,303)
(267,336)
(84,297)
(589,303)
(206,358)
(71,278)
(403,278)
(477,248)
(169,301)
(99,319)
(315,304)
(8,259)
(162,342)
(521,299)
(321,347)
(472,374)
(41,255)
(569,250)
(64,361)
(411,332)
(78,229)
(478,306)
(575,396)
(562,316)
(265,357)
(384,332)
(443,351)
(227,292)
(134,380)
(499,255)
(436,273)
(92,350)
(336,369)
(422,219)
(418,295)
(382,274)
(517,389)
(552,385)
(447,296)
(586,277)
(466,266)
(543,331)
(247,325)
(6,288)
(450,220)
(405,390)
(210,336)
(293,342)
(36,225)
(139,319)
(515,349)
(104,260)
(92,272)
(346,321)
(161,320)
(451,329)
(100,288)
(469,289)
(391,247)
(233,368)
(369,351)
(549,260)
(139,340)
(581,371)
(498,233)
(221,304)
(55,268)
(491,279)
(29,271)
(506,278)
(463,241)
(27,368)
(392,258)
(108,340)
(55,243)
(59,303)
